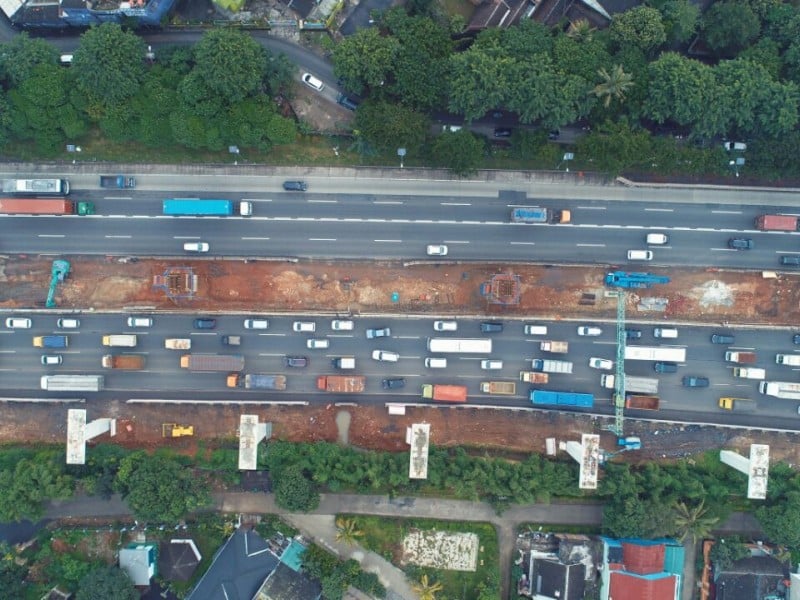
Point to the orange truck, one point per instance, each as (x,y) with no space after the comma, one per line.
(444,393)
(127,362)
(341,384)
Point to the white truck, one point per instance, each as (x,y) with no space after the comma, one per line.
(554,347)
(178,344)
(788,390)
(791,360)
(749,373)
(551,366)
(639,385)
(122,340)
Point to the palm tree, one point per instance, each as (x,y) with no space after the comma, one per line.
(693,522)
(426,590)
(613,86)
(581,31)
(347,531)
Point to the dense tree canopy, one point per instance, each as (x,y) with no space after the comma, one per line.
(20,56)
(29,483)
(106,582)
(231,64)
(365,60)
(641,26)
(730,26)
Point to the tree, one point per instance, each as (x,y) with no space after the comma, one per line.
(693,522)
(106,582)
(20,56)
(347,531)
(581,30)
(387,127)
(459,151)
(780,518)
(730,26)
(293,491)
(12,575)
(613,86)
(727,551)
(641,26)
(158,488)
(680,89)
(427,590)
(365,59)
(29,484)
(681,19)
(108,66)
(479,81)
(230,63)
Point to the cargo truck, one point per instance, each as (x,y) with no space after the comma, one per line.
(342,384)
(195,207)
(749,373)
(561,399)
(121,182)
(533,377)
(35,187)
(444,393)
(641,402)
(744,358)
(122,340)
(257,382)
(551,366)
(642,385)
(178,344)
(787,390)
(213,362)
(127,362)
(232,340)
(504,388)
(554,347)
(737,404)
(51,341)
(44,206)
(72,383)
(537,214)
(656,353)
(791,360)
(776,223)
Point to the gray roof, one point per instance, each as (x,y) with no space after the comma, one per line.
(286,584)
(138,561)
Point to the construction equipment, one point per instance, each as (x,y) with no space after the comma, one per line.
(173,430)
(622,279)
(58,273)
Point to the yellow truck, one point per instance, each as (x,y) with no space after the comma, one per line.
(173,430)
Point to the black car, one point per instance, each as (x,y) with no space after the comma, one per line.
(694,381)
(295,186)
(633,334)
(554,134)
(722,338)
(665,367)
(391,384)
(741,244)
(792,261)
(491,327)
(503,132)
(347,102)
(204,323)
(298,362)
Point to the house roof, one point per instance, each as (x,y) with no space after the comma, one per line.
(750,578)
(497,13)
(139,562)
(287,584)
(650,587)
(238,570)
(554,579)
(178,559)
(642,559)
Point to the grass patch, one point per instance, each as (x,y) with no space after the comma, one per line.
(384,536)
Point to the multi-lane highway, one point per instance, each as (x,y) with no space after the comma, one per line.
(264,352)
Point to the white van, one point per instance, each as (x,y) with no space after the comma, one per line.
(341,325)
(196,247)
(385,355)
(657,239)
(640,255)
(535,329)
(665,332)
(491,364)
(140,322)
(436,363)
(317,343)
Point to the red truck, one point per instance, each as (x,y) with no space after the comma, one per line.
(776,223)
(44,206)
(342,384)
(128,362)
(445,393)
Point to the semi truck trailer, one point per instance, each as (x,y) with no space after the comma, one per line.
(257,382)
(127,362)
(776,223)
(44,206)
(35,187)
(642,385)
(72,383)
(444,393)
(791,360)
(195,207)
(788,390)
(213,362)
(561,399)
(178,343)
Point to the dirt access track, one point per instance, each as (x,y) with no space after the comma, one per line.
(341,288)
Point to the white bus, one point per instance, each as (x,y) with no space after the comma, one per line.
(72,383)
(35,187)
(460,345)
(660,353)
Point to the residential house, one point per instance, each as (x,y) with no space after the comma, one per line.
(642,569)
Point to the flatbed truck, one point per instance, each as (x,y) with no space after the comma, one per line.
(444,393)
(253,381)
(213,362)
(122,340)
(503,388)
(554,347)
(641,385)
(533,377)
(561,399)
(742,358)
(342,384)
(126,362)
(178,343)
(44,206)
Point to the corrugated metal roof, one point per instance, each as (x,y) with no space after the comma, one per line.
(10,7)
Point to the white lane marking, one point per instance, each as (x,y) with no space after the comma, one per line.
(591,245)
(321,239)
(455,203)
(255,239)
(269,354)
(407,337)
(523,243)
(387,202)
(323,201)
(786,252)
(659,210)
(456,241)
(726,212)
(591,207)
(186,237)
(722,249)
(388,241)
(127,237)
(201,333)
(609,343)
(48,235)
(258,199)
(117,197)
(8,351)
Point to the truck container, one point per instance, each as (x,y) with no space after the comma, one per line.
(743,358)
(212,362)
(792,360)
(341,384)
(544,365)
(195,207)
(44,206)
(35,187)
(121,182)
(504,388)
(128,362)
(656,353)
(460,345)
(641,402)
(178,343)
(533,377)
(72,383)
(51,341)
(122,340)
(537,214)
(787,390)
(554,347)
(257,382)
(641,385)
(737,404)
(776,223)
(561,399)
(444,393)
(749,373)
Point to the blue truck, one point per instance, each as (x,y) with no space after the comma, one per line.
(195,207)
(561,399)
(537,214)
(51,341)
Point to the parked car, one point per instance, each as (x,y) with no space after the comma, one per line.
(346,102)
(738,146)
(304,327)
(313,82)
(601,363)
(18,323)
(665,367)
(741,244)
(722,338)
(796,338)
(589,331)
(378,333)
(553,134)
(694,381)
(256,324)
(491,327)
(790,261)
(503,132)
(205,323)
(68,323)
(297,362)
(391,384)
(445,325)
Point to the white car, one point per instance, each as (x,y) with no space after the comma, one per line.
(68,323)
(256,324)
(317,344)
(51,359)
(739,146)
(657,239)
(18,323)
(195,247)
(601,363)
(385,355)
(436,250)
(313,82)
(342,325)
(589,331)
(140,322)
(304,326)
(445,326)
(491,365)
